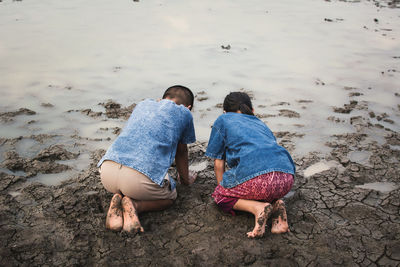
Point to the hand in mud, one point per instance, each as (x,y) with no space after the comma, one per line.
(192,177)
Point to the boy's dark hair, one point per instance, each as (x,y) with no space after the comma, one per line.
(181,94)
(238,101)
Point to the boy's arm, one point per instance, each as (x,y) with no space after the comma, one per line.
(182,165)
(219,169)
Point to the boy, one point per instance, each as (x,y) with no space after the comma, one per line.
(135,166)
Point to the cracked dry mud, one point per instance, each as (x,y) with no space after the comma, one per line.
(331,220)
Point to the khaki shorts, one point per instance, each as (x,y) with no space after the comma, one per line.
(117,178)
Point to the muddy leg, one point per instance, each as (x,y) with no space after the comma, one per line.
(131,218)
(261,212)
(279,219)
(114,220)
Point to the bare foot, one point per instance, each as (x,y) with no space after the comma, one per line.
(279,220)
(131,218)
(263,211)
(114,218)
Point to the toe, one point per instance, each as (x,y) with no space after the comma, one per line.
(250,234)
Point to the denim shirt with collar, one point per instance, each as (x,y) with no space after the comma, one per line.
(249,148)
(149,139)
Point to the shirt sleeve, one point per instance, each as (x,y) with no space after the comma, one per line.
(188,135)
(216,143)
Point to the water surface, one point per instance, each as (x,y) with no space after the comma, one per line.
(309,54)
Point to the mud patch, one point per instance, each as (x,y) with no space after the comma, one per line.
(289,113)
(113,110)
(8,116)
(44,162)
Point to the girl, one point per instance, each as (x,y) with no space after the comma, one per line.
(260,171)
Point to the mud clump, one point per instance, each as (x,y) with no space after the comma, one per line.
(7,116)
(352,105)
(44,162)
(352,94)
(14,163)
(347,108)
(114,110)
(302,101)
(289,113)
(282,103)
(21,111)
(334,119)
(286,134)
(264,116)
(89,112)
(203,98)
(55,152)
(47,105)
(393,138)
(285,139)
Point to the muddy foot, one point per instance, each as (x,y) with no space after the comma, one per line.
(279,221)
(261,219)
(131,218)
(114,220)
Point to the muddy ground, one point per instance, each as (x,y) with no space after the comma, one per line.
(332,221)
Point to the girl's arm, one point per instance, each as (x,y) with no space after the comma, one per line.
(182,165)
(219,169)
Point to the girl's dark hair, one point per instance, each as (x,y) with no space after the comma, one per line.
(238,101)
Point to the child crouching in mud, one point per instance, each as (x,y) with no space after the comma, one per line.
(260,171)
(135,166)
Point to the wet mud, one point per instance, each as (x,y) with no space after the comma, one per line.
(43,162)
(8,116)
(344,207)
(113,110)
(332,219)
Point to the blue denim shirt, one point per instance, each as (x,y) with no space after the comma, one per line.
(249,148)
(149,140)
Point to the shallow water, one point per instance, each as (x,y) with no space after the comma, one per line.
(379,186)
(80,163)
(28,148)
(74,55)
(361,157)
(52,178)
(16,173)
(319,167)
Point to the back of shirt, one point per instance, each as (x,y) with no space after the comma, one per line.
(249,148)
(149,140)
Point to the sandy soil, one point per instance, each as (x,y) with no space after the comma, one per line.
(333,220)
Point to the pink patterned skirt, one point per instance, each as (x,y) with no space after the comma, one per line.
(266,187)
